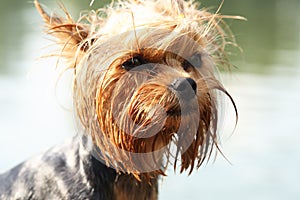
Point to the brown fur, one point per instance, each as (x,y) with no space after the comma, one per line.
(121,110)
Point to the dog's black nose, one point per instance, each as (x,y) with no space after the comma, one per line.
(186,86)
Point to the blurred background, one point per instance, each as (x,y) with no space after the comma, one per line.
(264,151)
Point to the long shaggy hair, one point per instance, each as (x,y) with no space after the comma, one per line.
(126,57)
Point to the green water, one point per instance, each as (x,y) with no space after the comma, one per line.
(272,27)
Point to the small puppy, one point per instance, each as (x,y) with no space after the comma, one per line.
(145,96)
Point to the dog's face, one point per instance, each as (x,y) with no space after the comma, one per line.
(145,89)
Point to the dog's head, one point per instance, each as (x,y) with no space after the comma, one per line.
(145,89)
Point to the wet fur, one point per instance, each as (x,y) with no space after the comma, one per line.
(116,108)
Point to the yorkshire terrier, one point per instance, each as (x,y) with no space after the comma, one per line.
(145,96)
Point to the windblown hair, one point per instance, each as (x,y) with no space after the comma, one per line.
(107,99)
(77,37)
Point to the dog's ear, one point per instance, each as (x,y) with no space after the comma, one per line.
(71,36)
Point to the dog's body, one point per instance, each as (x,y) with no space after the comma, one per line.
(144,97)
(68,172)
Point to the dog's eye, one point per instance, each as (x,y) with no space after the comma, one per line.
(132,63)
(194,61)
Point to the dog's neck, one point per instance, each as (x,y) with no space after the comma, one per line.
(107,183)
(120,186)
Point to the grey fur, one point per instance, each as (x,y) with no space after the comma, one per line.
(64,172)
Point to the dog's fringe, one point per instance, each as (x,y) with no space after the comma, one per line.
(82,34)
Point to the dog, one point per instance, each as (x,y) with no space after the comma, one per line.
(146,96)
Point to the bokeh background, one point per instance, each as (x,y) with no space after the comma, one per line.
(264,151)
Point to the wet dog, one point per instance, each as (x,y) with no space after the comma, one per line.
(145,96)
